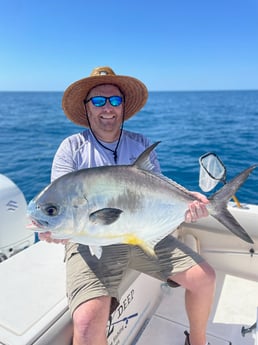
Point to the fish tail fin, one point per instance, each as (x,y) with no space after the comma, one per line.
(219,200)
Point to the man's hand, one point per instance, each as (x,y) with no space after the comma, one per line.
(197,208)
(46,236)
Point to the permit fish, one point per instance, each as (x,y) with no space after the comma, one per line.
(127,204)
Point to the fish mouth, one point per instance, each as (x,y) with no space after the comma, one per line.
(41,225)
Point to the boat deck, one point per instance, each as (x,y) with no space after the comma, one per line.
(169,321)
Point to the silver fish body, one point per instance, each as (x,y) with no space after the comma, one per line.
(122,204)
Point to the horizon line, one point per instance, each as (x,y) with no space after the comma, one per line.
(183,90)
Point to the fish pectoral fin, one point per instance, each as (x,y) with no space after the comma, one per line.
(147,247)
(96,250)
(105,216)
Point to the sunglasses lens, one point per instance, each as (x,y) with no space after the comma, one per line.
(98,101)
(115,101)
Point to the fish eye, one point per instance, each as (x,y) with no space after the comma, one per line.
(51,210)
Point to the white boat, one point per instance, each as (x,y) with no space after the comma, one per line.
(33,306)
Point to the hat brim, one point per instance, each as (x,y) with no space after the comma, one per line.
(134,91)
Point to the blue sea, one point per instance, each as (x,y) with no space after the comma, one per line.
(188,124)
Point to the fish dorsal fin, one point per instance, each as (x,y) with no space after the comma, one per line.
(143,161)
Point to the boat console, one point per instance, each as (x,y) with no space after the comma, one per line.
(14,236)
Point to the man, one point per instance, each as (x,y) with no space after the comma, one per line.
(102,102)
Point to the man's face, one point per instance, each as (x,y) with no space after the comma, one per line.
(105,121)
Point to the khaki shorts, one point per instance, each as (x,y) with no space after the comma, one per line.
(89,277)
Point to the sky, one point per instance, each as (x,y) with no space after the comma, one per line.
(45,45)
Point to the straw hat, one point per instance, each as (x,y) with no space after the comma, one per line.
(134,91)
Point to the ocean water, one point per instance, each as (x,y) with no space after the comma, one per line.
(188,124)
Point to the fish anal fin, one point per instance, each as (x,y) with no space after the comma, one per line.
(147,247)
(105,216)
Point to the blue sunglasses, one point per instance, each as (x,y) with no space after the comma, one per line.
(100,101)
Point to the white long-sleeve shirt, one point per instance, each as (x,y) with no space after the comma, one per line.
(82,150)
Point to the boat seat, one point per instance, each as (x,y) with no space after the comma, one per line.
(33,299)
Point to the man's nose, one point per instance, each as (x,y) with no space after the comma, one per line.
(107,106)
